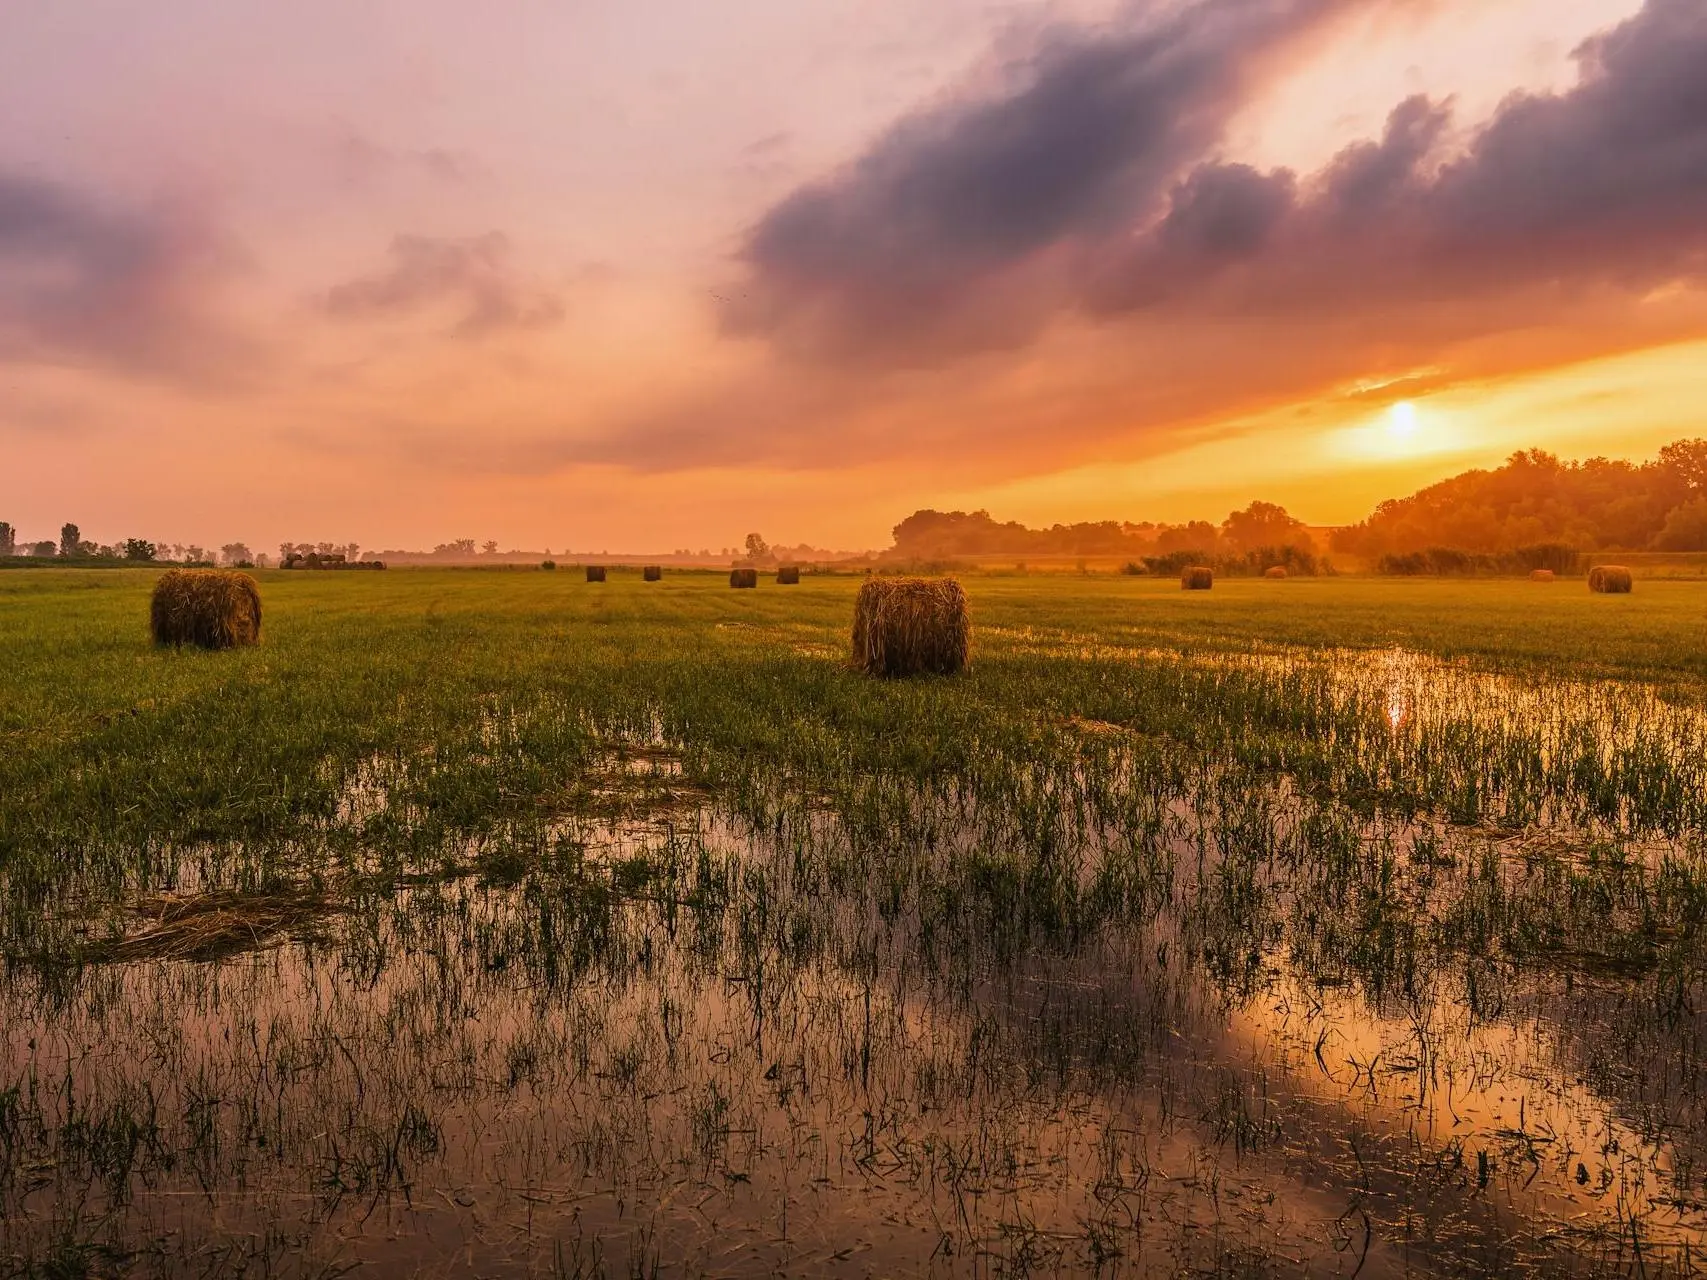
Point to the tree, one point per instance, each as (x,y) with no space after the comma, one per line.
(43,550)
(1263,524)
(8,539)
(1198,536)
(757,548)
(1685,528)
(489,547)
(69,537)
(138,549)
(1687,459)
(235,553)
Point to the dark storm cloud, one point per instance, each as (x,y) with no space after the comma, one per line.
(1220,214)
(1620,159)
(474,276)
(1605,185)
(1095,187)
(1369,179)
(84,282)
(953,209)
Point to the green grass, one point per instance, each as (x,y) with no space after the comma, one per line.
(478,698)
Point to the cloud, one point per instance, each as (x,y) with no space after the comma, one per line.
(1093,188)
(1603,187)
(86,282)
(1029,277)
(359,159)
(473,277)
(939,239)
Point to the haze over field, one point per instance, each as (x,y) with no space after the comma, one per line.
(656,276)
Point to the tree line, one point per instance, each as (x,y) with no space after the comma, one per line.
(1536,500)
(1257,538)
(73,546)
(1534,511)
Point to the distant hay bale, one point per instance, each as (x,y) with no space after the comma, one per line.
(788,576)
(210,608)
(1275,571)
(652,573)
(1610,580)
(1541,575)
(911,626)
(331,560)
(1197,578)
(743,577)
(595,573)
(548,564)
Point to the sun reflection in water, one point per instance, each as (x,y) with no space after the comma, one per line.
(1398,706)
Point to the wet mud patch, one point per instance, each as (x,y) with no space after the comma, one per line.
(637,782)
(216,926)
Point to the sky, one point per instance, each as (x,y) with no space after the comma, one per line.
(583,275)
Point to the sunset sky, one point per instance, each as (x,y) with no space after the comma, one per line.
(591,275)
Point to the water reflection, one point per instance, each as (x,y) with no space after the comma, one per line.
(1213,1043)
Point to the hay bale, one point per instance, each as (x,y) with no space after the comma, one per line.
(1197,578)
(548,564)
(595,573)
(1610,580)
(1541,575)
(652,573)
(743,577)
(910,626)
(211,608)
(1275,571)
(788,575)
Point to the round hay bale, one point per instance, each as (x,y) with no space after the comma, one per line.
(911,626)
(743,577)
(595,573)
(1610,580)
(209,608)
(1541,575)
(788,575)
(652,573)
(1197,578)
(548,565)
(1275,571)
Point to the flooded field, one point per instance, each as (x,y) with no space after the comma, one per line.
(1107,958)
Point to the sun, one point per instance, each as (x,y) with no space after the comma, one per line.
(1402,420)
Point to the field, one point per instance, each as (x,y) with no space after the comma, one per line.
(497,923)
